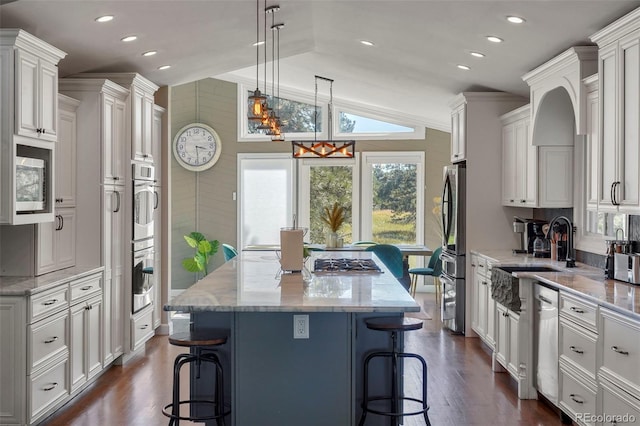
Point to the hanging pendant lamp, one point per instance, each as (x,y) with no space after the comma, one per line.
(257,99)
(327,148)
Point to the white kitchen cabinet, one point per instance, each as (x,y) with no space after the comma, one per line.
(483,320)
(36,95)
(86,341)
(56,242)
(519,160)
(592,144)
(141,327)
(29,116)
(13,353)
(158,117)
(458,132)
(114,249)
(508,339)
(616,406)
(555,177)
(619,88)
(65,188)
(140,110)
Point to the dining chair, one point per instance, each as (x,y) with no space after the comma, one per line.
(391,256)
(433,269)
(229,252)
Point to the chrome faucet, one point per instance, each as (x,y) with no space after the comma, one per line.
(571,262)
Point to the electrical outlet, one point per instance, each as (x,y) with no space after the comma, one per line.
(301,326)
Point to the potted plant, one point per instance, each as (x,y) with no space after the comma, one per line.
(333,217)
(204,249)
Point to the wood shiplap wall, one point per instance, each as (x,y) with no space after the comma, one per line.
(204,201)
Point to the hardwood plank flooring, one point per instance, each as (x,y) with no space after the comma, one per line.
(462,388)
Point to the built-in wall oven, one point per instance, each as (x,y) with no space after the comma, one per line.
(145,200)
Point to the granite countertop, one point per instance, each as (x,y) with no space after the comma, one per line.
(250,283)
(583,280)
(26,286)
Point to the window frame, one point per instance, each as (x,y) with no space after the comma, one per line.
(381,157)
(304,190)
(375,114)
(240,188)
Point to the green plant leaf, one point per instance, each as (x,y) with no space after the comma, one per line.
(191,265)
(191,241)
(197,236)
(215,244)
(204,247)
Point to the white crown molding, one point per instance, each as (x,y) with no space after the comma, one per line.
(92,85)
(30,43)
(612,32)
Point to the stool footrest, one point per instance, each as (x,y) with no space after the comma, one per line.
(398,414)
(167,411)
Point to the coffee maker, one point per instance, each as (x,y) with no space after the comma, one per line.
(530,229)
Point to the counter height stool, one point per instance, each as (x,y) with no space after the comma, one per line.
(203,344)
(394,325)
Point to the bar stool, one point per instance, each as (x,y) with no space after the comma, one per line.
(394,325)
(202,343)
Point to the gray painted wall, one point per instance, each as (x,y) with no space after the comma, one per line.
(203,201)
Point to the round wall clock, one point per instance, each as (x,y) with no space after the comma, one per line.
(197,147)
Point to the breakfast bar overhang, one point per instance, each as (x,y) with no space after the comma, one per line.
(272,378)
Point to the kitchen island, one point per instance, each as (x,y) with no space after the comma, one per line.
(272,378)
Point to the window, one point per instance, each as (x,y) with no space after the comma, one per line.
(393,197)
(349,121)
(266,204)
(322,183)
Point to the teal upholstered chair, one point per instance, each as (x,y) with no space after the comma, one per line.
(433,269)
(229,252)
(391,256)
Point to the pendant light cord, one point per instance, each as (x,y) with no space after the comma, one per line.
(257,42)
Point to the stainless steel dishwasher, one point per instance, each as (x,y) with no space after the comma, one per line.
(546,335)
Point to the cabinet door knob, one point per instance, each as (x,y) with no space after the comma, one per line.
(576,400)
(576,350)
(619,351)
(50,387)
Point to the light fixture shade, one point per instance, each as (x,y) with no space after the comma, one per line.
(258,105)
(323,149)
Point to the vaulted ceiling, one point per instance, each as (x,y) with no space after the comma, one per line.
(411,69)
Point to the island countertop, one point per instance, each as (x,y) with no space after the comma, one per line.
(250,283)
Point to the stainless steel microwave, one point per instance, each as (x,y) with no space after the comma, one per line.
(30,175)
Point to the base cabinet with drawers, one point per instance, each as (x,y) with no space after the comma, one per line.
(483,311)
(47,339)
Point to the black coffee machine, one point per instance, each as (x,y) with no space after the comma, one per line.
(530,230)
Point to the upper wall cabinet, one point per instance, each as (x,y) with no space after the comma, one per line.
(592,146)
(28,123)
(533,176)
(140,106)
(619,132)
(564,71)
(458,130)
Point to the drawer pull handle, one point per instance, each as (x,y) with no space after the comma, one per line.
(86,287)
(484,283)
(49,302)
(621,352)
(53,386)
(578,401)
(576,350)
(481,266)
(577,310)
(144,326)
(53,339)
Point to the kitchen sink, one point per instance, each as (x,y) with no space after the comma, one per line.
(531,268)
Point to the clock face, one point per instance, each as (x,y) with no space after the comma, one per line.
(197,147)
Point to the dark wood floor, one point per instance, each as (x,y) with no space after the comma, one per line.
(462,388)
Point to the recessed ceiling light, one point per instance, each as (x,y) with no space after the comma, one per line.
(105,18)
(260,43)
(367,43)
(164,67)
(129,38)
(494,39)
(463,67)
(150,53)
(477,54)
(515,19)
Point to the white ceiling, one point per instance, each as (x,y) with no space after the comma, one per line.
(411,70)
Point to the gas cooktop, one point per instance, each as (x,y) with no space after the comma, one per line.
(345,265)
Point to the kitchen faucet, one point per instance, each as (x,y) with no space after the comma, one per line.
(571,262)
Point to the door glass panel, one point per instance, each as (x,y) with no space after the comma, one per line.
(329,185)
(394,201)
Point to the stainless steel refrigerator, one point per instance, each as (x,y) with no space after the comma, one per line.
(453,247)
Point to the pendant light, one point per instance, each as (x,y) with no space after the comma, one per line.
(328,148)
(275,130)
(257,99)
